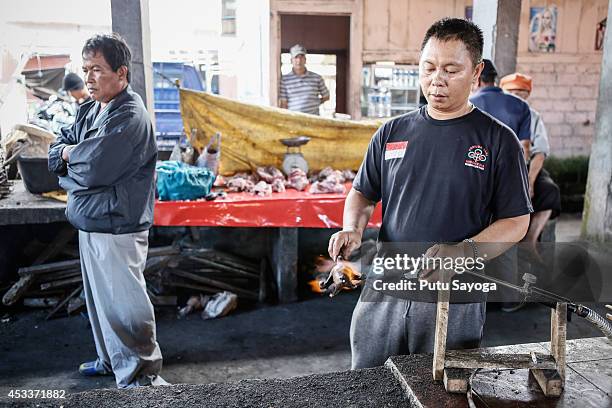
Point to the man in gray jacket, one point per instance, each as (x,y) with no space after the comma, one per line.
(106,163)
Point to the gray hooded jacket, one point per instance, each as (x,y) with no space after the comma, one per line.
(110,176)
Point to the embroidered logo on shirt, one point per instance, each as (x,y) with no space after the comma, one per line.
(395,150)
(477,157)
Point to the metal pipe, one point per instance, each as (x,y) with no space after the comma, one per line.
(528,289)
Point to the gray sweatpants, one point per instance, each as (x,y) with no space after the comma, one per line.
(389,326)
(120,312)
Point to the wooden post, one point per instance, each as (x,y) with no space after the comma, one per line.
(597,213)
(456,380)
(284,257)
(552,381)
(130,19)
(440,338)
(499,21)
(558,336)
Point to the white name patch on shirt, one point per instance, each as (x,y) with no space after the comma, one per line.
(395,150)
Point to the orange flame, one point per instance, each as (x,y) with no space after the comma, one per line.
(324,266)
(350,272)
(314,286)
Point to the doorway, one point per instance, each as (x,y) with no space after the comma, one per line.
(327,39)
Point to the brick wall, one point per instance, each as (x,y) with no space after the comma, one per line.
(565,93)
(566,82)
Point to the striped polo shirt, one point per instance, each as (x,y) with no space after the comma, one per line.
(302,91)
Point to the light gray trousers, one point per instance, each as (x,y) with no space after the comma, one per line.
(120,312)
(385,326)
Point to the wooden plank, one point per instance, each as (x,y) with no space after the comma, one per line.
(161,251)
(341,7)
(72,263)
(398,29)
(422,15)
(224,258)
(75,304)
(440,335)
(274,55)
(353,92)
(62,283)
(155,263)
(70,273)
(23,284)
(456,380)
(398,56)
(480,359)
(17,290)
(376,24)
(63,302)
(550,381)
(222,267)
(558,336)
(49,267)
(221,285)
(41,302)
(211,271)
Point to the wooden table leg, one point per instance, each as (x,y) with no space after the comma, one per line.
(284,262)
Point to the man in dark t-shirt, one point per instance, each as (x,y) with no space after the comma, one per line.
(447,173)
(443,185)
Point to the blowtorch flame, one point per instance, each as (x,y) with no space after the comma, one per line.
(324,266)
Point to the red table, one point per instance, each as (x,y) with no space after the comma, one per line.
(291,209)
(284,213)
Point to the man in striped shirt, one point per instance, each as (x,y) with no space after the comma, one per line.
(302,90)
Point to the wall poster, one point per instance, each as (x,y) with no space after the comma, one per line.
(542,28)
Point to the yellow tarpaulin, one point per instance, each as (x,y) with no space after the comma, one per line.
(59,195)
(251,133)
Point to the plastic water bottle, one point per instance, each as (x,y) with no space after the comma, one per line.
(380,106)
(372,101)
(387,103)
(414,78)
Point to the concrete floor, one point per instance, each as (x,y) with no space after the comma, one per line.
(301,338)
(270,342)
(568,227)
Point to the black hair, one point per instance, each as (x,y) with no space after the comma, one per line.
(465,31)
(488,78)
(114,49)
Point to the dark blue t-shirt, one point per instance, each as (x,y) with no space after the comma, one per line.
(508,109)
(443,180)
